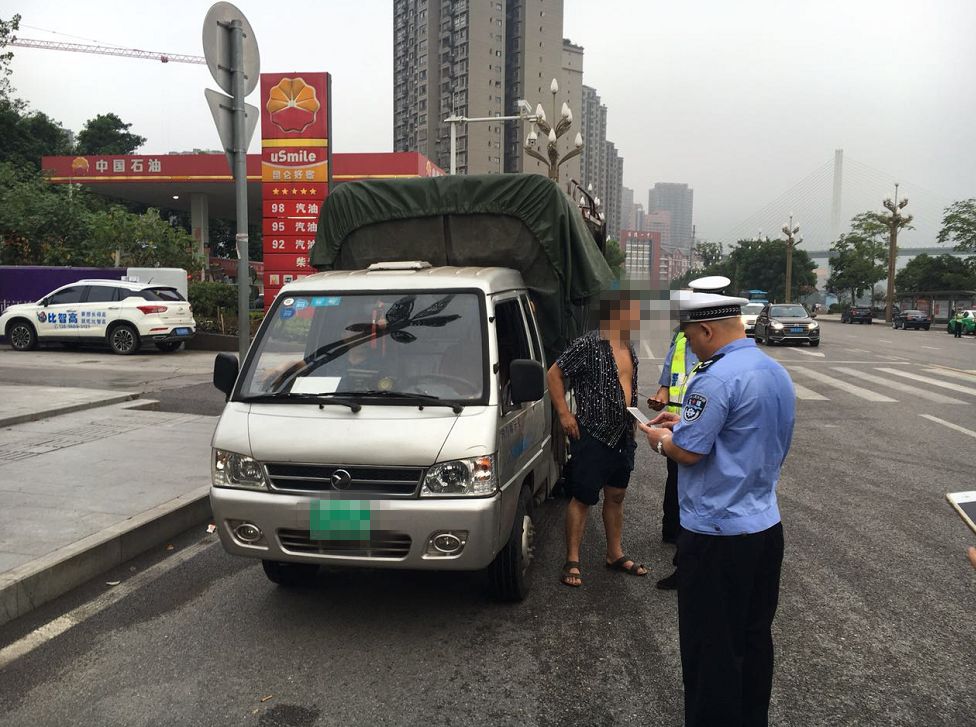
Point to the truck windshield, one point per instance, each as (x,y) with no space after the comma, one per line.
(396,343)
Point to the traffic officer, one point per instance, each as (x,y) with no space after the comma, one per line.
(730,441)
(678,367)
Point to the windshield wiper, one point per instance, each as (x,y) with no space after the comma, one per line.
(421,399)
(321,399)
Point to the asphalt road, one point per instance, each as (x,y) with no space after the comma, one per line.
(875,625)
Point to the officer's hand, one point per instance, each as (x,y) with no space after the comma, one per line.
(972,556)
(569,424)
(665,420)
(660,399)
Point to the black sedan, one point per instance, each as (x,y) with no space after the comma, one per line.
(911,319)
(784,322)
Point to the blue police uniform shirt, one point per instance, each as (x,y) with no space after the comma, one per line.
(739,412)
(690,361)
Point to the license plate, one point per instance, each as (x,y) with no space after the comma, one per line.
(796,329)
(339,520)
(182,332)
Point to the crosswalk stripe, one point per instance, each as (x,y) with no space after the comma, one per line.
(803,392)
(943,422)
(958,388)
(971,378)
(921,393)
(837,383)
(807,353)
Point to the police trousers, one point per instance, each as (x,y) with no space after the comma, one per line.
(669,521)
(728,592)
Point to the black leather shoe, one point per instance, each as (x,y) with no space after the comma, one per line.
(668,584)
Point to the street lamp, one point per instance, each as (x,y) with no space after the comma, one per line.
(789,230)
(551,158)
(524,114)
(894,221)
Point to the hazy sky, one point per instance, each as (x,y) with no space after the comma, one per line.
(741,99)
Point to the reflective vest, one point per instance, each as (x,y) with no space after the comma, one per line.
(678,381)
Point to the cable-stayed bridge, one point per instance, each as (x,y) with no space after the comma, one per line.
(826,199)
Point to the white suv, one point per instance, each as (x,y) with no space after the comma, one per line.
(121,314)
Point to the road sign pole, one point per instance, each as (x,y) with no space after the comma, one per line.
(240,189)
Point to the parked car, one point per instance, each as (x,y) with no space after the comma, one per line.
(120,314)
(857,314)
(911,319)
(750,312)
(783,322)
(968,323)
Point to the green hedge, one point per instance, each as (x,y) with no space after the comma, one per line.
(207,297)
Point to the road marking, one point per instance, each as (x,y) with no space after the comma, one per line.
(898,386)
(803,392)
(971,378)
(858,350)
(810,353)
(849,388)
(932,348)
(882,340)
(944,423)
(958,388)
(43,634)
(646,348)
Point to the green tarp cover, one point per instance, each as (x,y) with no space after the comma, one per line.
(520,221)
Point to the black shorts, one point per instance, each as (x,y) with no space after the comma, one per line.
(595,465)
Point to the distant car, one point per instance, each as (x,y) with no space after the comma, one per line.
(968,322)
(749,314)
(911,319)
(121,314)
(857,314)
(785,322)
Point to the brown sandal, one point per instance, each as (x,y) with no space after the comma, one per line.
(634,569)
(567,574)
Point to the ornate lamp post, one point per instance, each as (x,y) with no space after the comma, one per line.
(552,159)
(789,230)
(895,220)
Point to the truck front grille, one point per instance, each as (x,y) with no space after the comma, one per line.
(314,478)
(381,544)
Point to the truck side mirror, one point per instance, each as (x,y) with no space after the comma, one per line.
(225,373)
(528,380)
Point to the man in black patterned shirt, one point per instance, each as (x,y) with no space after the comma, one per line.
(601,368)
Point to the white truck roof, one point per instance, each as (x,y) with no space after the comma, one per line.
(489,280)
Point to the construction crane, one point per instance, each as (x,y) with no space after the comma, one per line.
(148,55)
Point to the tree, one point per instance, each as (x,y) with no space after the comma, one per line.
(858,259)
(959,225)
(27,136)
(107,134)
(615,258)
(7,30)
(942,272)
(710,253)
(119,237)
(761,264)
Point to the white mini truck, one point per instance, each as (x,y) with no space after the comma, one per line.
(393,417)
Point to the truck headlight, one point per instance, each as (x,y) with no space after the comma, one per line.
(460,477)
(230,469)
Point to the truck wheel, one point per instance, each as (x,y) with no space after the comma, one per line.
(124,339)
(508,573)
(22,336)
(290,575)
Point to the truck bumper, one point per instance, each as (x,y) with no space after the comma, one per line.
(402,533)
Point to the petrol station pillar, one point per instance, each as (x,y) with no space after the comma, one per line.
(200,224)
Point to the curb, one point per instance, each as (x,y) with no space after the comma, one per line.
(55,411)
(41,580)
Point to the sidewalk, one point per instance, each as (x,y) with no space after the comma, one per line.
(84,491)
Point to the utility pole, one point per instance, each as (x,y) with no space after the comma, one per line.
(789,230)
(895,221)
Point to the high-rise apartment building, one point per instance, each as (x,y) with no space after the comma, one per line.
(613,191)
(593,126)
(475,58)
(627,209)
(678,199)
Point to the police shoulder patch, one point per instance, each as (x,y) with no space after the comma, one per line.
(694,406)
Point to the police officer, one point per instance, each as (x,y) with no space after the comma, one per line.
(729,441)
(677,369)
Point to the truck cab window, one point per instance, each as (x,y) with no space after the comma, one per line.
(513,342)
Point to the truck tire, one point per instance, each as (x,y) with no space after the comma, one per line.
(290,575)
(509,572)
(22,336)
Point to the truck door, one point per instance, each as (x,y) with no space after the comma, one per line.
(521,426)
